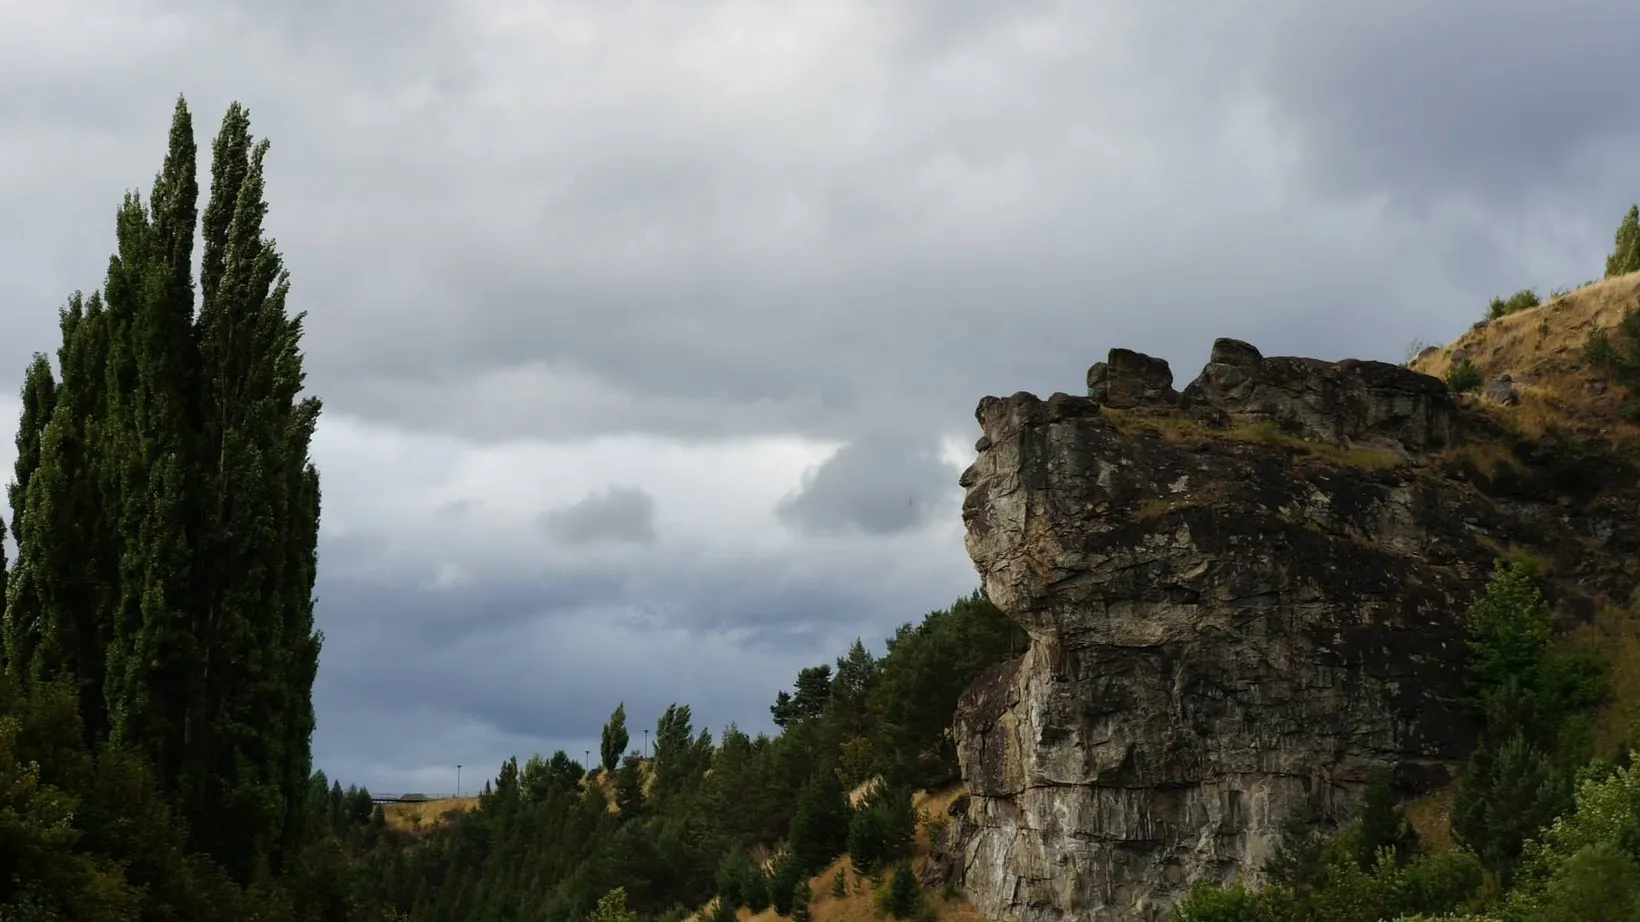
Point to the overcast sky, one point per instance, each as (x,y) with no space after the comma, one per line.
(650,333)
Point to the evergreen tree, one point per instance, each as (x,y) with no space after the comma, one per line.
(629,796)
(1382,823)
(1625,255)
(615,739)
(802,898)
(724,911)
(168,510)
(813,689)
(904,893)
(819,830)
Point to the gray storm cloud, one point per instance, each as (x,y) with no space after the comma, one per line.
(619,514)
(831,220)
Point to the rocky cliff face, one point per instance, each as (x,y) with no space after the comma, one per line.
(1241,597)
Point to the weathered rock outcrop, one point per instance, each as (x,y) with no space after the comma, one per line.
(1240,596)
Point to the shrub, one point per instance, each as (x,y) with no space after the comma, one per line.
(1463,377)
(1235,903)
(1519,301)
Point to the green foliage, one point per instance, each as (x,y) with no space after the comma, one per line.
(784,876)
(1518,779)
(820,825)
(1519,301)
(1599,882)
(1619,357)
(809,703)
(159,642)
(612,908)
(757,890)
(1625,255)
(1382,823)
(1463,377)
(839,883)
(903,896)
(723,911)
(881,830)
(802,901)
(1235,903)
(615,739)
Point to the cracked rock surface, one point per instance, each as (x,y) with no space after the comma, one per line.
(1224,626)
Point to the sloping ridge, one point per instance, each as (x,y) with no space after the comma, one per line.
(1242,597)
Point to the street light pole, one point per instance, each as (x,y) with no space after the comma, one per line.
(646,742)
(458,779)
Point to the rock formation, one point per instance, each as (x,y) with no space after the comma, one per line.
(1241,597)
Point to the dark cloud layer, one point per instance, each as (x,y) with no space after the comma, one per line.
(618,514)
(838,222)
(881,484)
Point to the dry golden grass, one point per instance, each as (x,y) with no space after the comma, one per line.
(1184,430)
(1541,349)
(426,814)
(1431,816)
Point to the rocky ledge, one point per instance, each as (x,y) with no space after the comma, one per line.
(1241,597)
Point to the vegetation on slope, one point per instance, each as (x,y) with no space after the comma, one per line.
(735,821)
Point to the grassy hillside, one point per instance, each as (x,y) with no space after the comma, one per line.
(1541,349)
(418,817)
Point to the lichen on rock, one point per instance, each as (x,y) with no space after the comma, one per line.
(1222,629)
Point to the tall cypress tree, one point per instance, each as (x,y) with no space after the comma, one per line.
(18,631)
(258,529)
(167,510)
(57,622)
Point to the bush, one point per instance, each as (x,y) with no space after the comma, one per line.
(1519,301)
(1235,903)
(1463,377)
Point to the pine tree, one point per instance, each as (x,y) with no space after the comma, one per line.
(1382,823)
(615,738)
(904,893)
(1625,255)
(802,897)
(819,830)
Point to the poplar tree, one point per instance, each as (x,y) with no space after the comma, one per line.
(166,509)
(614,740)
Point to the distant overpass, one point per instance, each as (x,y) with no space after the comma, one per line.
(409,798)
